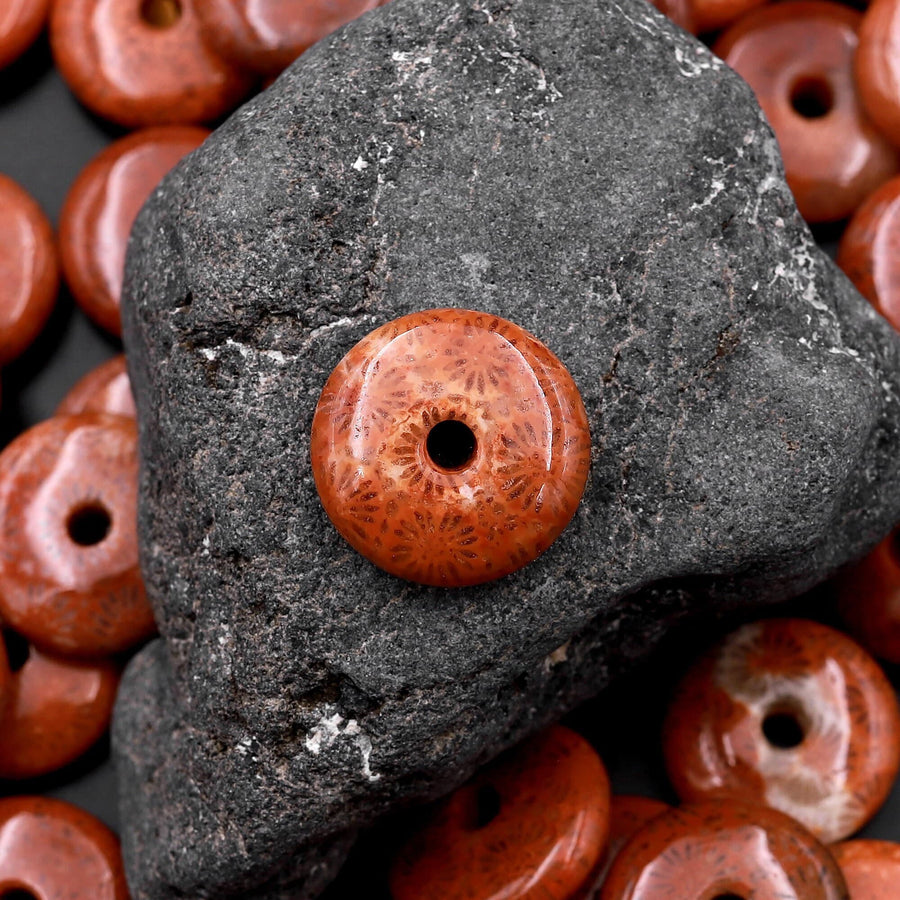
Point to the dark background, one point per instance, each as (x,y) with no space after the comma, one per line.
(46,138)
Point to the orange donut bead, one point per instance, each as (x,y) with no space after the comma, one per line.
(106,389)
(58,709)
(101,207)
(69,577)
(878,66)
(869,252)
(798,58)
(29,271)
(142,62)
(532,825)
(720,850)
(21,22)
(268,35)
(51,850)
(871,868)
(791,714)
(450,447)
(869,599)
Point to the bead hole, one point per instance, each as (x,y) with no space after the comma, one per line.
(89,525)
(783,728)
(159,14)
(728,897)
(812,97)
(486,807)
(451,445)
(17,652)
(18,894)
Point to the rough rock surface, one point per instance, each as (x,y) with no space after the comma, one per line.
(586,170)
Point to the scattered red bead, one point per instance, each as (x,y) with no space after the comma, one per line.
(878,66)
(711,15)
(105,389)
(871,868)
(21,22)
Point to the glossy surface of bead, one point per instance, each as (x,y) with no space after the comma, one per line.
(101,208)
(871,868)
(51,850)
(869,252)
(58,709)
(720,849)
(21,22)
(791,714)
(29,272)
(268,35)
(106,389)
(450,447)
(798,58)
(142,63)
(711,15)
(69,577)
(878,66)
(532,825)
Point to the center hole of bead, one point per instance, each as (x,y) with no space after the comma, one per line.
(89,525)
(728,897)
(450,445)
(159,14)
(783,728)
(812,97)
(17,894)
(17,652)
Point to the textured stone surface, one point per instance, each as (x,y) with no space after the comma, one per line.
(587,171)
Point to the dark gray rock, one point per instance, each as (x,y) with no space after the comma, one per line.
(588,171)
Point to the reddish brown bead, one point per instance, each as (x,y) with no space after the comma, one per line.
(58,709)
(869,599)
(106,389)
(681,12)
(268,35)
(101,208)
(29,272)
(798,58)
(52,850)
(21,22)
(878,66)
(5,680)
(722,849)
(869,251)
(790,714)
(871,868)
(456,459)
(542,836)
(142,62)
(711,15)
(69,577)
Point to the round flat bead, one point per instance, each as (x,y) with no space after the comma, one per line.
(29,271)
(878,66)
(142,63)
(869,252)
(101,207)
(268,35)
(791,714)
(869,600)
(50,850)
(21,22)
(533,824)
(58,710)
(69,578)
(871,868)
(798,58)
(106,389)
(720,849)
(456,459)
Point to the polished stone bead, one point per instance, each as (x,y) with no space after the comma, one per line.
(105,389)
(21,22)
(871,868)
(878,66)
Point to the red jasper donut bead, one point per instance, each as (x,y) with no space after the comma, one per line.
(721,849)
(871,868)
(878,66)
(58,709)
(101,207)
(29,271)
(798,58)
(142,62)
(533,824)
(50,850)
(869,252)
(21,22)
(790,714)
(266,36)
(69,577)
(711,15)
(450,447)
(105,389)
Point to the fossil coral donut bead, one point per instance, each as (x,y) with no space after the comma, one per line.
(790,714)
(105,389)
(450,447)
(721,849)
(69,578)
(21,22)
(798,58)
(50,850)
(533,824)
(871,868)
